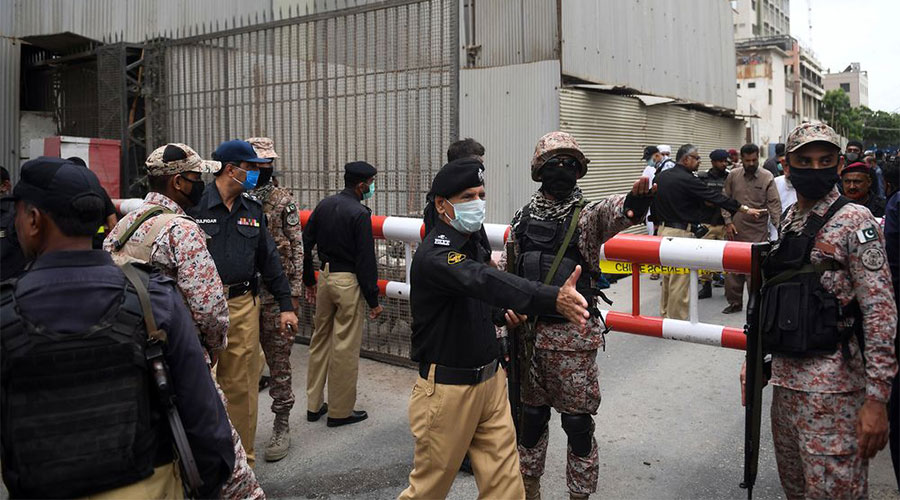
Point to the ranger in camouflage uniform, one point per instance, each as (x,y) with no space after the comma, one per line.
(563,371)
(284,226)
(177,248)
(829,412)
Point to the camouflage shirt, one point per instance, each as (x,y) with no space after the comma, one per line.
(598,222)
(284,225)
(180,253)
(854,240)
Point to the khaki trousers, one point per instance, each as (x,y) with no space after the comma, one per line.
(715,233)
(237,371)
(450,420)
(164,483)
(675,297)
(334,346)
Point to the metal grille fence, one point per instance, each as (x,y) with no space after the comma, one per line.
(375,82)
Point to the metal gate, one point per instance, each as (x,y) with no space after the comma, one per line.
(375,82)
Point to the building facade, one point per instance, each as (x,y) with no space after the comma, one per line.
(764,18)
(853,81)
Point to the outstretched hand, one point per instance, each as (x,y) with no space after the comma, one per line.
(640,189)
(572,304)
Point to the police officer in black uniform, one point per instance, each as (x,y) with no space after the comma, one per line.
(341,229)
(80,411)
(242,248)
(715,179)
(680,207)
(459,402)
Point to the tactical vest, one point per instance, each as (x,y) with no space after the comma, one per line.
(798,316)
(77,412)
(539,242)
(126,250)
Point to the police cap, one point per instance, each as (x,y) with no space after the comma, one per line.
(718,155)
(55,184)
(360,169)
(457,176)
(649,151)
(237,151)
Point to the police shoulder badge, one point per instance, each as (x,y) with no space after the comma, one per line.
(442,240)
(866,235)
(293,216)
(455,258)
(872,259)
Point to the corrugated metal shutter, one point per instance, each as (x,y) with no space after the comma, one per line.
(9,106)
(613,130)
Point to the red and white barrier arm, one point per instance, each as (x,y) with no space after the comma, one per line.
(673,329)
(713,255)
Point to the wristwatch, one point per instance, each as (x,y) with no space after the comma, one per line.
(744,209)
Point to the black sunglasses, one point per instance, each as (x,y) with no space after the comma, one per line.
(564,161)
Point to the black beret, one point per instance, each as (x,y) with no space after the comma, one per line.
(856,143)
(360,169)
(649,151)
(457,176)
(779,149)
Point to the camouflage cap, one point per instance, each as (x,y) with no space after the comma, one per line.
(553,144)
(264,147)
(175,158)
(811,132)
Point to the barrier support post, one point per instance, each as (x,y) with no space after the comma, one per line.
(407,249)
(635,289)
(693,304)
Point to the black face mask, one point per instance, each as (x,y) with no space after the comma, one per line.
(558,182)
(197,188)
(851,158)
(813,183)
(265,175)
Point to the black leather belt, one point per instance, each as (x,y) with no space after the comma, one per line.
(459,376)
(678,225)
(238,289)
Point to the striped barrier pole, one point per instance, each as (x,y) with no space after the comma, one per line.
(691,253)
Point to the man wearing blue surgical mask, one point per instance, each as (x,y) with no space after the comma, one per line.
(243,250)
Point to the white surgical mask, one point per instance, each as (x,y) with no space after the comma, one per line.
(469,216)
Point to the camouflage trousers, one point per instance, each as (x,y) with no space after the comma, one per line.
(816,444)
(242,483)
(567,381)
(277,349)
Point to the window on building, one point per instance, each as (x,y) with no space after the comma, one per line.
(751,85)
(755,6)
(739,85)
(770,97)
(845,87)
(756,29)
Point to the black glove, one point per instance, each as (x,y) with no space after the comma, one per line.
(637,204)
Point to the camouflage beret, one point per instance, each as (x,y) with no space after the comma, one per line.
(811,132)
(263,146)
(554,144)
(175,158)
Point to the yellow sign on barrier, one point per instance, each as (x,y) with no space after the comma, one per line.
(613,267)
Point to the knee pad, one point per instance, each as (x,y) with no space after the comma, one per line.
(580,430)
(534,422)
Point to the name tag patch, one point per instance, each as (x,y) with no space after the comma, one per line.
(246,221)
(455,258)
(442,240)
(206,221)
(866,235)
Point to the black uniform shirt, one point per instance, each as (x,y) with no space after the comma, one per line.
(240,244)
(341,228)
(453,294)
(680,197)
(714,178)
(69,292)
(875,204)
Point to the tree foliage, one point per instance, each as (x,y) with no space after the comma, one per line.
(875,128)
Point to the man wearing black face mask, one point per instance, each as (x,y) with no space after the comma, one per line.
(284,225)
(559,221)
(829,320)
(161,234)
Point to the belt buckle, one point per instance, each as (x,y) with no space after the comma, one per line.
(478,372)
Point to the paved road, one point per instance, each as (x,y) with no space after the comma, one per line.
(670,426)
